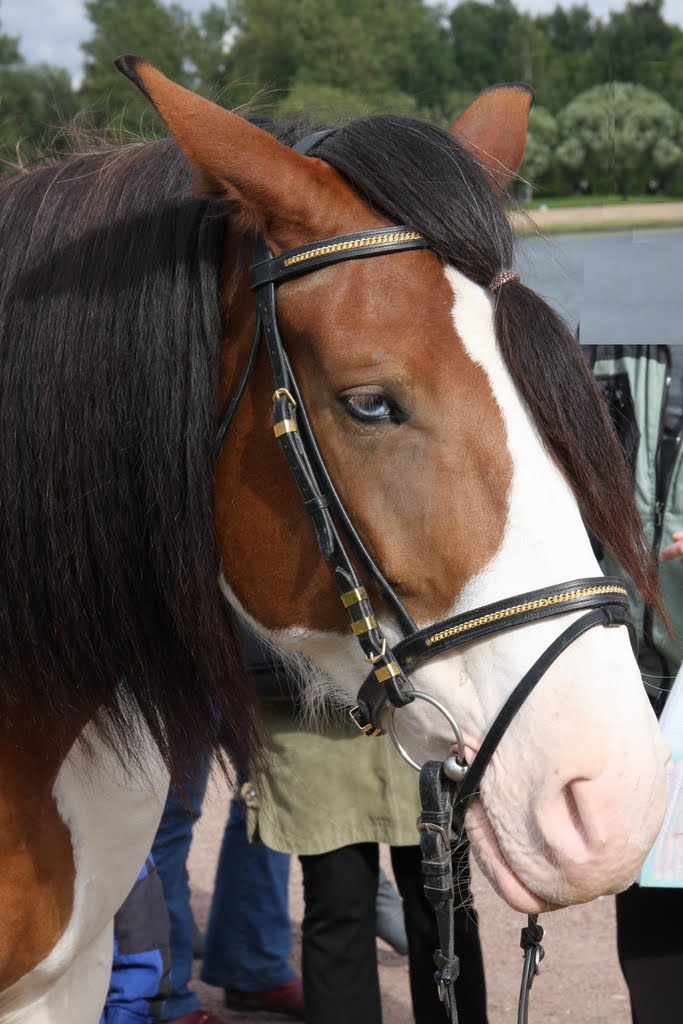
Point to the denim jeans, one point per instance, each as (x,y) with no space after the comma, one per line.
(249,937)
(170,849)
(248,941)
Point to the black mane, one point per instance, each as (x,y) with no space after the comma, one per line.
(109,339)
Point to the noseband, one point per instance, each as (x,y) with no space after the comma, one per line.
(447,787)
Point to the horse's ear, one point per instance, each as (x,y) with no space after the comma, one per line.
(493,128)
(283,193)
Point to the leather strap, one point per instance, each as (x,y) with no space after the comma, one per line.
(314,256)
(437,799)
(608,616)
(516,611)
(411,653)
(534,953)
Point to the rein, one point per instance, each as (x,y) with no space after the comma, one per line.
(446,788)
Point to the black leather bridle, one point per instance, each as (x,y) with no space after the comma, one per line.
(447,787)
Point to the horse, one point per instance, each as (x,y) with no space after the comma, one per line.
(463,434)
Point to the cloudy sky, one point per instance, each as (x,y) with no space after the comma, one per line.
(51,30)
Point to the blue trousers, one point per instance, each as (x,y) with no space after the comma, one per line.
(248,942)
(249,937)
(169,850)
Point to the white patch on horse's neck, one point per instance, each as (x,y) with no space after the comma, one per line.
(544,540)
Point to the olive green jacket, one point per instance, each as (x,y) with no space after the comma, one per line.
(329,788)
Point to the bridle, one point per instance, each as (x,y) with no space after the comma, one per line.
(446,788)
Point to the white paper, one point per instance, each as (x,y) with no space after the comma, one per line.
(664,864)
(671,719)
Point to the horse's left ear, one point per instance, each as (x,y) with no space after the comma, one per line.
(493,128)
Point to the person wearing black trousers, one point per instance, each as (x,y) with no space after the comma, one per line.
(341,984)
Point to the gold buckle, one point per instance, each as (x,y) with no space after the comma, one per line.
(369,729)
(284,393)
(372,659)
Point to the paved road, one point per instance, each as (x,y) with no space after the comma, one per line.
(580,982)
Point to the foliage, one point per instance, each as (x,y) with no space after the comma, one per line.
(165,35)
(368,48)
(328,105)
(619,136)
(34,101)
(344,57)
(539,156)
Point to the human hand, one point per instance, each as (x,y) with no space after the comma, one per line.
(674,550)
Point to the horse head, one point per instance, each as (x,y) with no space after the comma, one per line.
(466,442)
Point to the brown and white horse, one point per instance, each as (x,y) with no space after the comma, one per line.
(461,429)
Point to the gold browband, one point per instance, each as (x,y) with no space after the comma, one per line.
(353,243)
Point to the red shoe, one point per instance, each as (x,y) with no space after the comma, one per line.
(198,1017)
(287,999)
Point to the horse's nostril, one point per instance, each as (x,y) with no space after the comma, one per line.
(583,811)
(572,821)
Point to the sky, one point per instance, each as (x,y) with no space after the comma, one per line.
(50,30)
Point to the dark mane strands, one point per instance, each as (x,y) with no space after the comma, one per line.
(453,206)
(109,341)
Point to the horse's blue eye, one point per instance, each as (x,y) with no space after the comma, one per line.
(373,407)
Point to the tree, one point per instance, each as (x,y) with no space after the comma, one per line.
(634,45)
(368,48)
(35,102)
(619,136)
(539,155)
(165,35)
(480,35)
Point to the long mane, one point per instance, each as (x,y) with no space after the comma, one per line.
(109,341)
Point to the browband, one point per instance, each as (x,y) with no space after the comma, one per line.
(375,242)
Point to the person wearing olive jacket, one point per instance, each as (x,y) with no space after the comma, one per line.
(643,385)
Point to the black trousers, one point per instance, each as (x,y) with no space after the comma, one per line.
(650,946)
(339,953)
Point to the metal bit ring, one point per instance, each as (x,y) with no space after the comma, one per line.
(458,770)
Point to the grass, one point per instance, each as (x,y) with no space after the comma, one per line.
(563,202)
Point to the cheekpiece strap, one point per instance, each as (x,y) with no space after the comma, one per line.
(305,258)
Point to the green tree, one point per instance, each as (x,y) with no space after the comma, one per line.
(539,155)
(368,49)
(327,104)
(480,35)
(36,100)
(618,136)
(165,35)
(634,45)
